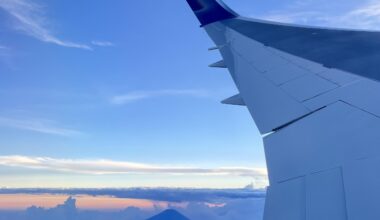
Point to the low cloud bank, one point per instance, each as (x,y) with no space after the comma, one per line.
(231,209)
(156,194)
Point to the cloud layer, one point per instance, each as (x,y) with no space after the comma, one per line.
(104,167)
(172,195)
(227,209)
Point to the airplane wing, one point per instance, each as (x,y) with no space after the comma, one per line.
(314,95)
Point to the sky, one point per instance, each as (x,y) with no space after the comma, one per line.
(100,94)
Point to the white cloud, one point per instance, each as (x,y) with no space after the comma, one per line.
(37,125)
(342,14)
(366,16)
(371,9)
(30,20)
(252,208)
(103,43)
(140,95)
(293,17)
(104,167)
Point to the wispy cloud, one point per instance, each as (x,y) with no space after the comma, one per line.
(102,43)
(4,51)
(303,17)
(29,18)
(343,14)
(366,16)
(140,95)
(105,167)
(37,125)
(6,55)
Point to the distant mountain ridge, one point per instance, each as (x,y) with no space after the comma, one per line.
(169,214)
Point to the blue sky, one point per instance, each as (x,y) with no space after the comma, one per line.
(100,94)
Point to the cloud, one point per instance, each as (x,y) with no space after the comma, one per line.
(342,14)
(371,9)
(293,17)
(37,125)
(29,18)
(231,209)
(104,167)
(4,51)
(103,43)
(141,95)
(365,16)
(69,211)
(174,195)
(252,208)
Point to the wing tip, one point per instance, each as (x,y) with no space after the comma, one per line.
(219,64)
(210,11)
(234,100)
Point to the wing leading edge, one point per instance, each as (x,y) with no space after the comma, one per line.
(315,90)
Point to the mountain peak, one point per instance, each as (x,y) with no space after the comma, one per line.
(169,214)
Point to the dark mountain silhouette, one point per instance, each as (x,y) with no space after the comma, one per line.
(169,214)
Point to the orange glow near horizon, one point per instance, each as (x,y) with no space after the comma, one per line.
(84,202)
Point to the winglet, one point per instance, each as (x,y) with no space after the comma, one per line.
(209,11)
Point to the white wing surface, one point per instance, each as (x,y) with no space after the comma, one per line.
(314,94)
